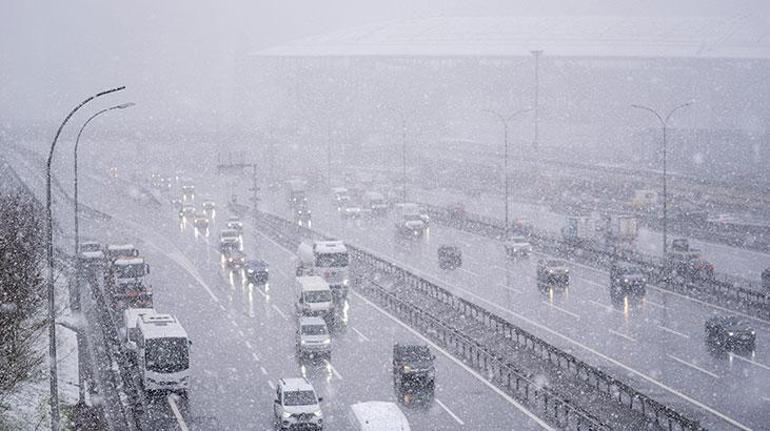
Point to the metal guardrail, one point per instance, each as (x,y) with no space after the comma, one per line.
(565,414)
(752,298)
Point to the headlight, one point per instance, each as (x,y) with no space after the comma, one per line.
(302,342)
(327,341)
(250,271)
(730,334)
(625,280)
(317,412)
(407,368)
(285,415)
(345,282)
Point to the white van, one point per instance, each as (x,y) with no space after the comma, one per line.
(377,416)
(315,296)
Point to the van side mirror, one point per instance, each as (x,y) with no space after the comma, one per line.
(189,342)
(320,399)
(147,268)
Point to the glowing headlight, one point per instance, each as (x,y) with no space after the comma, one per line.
(285,415)
(317,412)
(250,271)
(326,341)
(407,368)
(730,334)
(345,282)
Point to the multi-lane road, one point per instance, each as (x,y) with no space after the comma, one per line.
(657,344)
(244,335)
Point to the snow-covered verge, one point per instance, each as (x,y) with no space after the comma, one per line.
(28,404)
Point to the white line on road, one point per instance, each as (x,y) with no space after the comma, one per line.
(334,370)
(671,331)
(494,388)
(271,384)
(693,366)
(241,333)
(556,307)
(264,371)
(278,310)
(254,355)
(177,414)
(234,323)
(726,310)
(469,272)
(604,306)
(620,334)
(654,304)
(739,357)
(454,416)
(766,399)
(222,306)
(248,345)
(512,289)
(585,347)
(363,337)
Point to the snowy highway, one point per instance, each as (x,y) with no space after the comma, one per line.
(658,343)
(244,337)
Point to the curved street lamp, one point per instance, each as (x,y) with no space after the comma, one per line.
(76,300)
(664,126)
(505,121)
(54,401)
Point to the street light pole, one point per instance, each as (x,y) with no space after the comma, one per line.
(505,121)
(78,265)
(54,401)
(537,54)
(664,127)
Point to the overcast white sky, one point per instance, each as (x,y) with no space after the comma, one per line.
(175,55)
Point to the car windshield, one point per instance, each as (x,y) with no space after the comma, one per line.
(331,260)
(167,355)
(316,296)
(314,329)
(299,398)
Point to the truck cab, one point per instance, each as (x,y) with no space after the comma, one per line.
(163,353)
(328,259)
(413,369)
(127,285)
(91,254)
(315,297)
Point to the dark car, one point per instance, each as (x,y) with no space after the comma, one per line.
(413,368)
(552,272)
(626,278)
(730,333)
(450,257)
(233,258)
(766,278)
(257,271)
(302,216)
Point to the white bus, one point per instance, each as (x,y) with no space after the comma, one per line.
(163,353)
(327,259)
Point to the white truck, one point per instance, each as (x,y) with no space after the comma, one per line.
(315,297)
(127,286)
(377,416)
(163,353)
(375,203)
(328,259)
(408,220)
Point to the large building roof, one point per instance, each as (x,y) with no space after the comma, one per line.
(582,36)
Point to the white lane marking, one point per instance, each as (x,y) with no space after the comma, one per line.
(278,310)
(264,371)
(454,416)
(241,333)
(469,272)
(693,366)
(177,414)
(589,281)
(494,388)
(654,304)
(556,307)
(587,348)
(512,289)
(604,306)
(363,337)
(671,331)
(222,307)
(334,370)
(726,310)
(271,384)
(264,295)
(620,334)
(248,345)
(739,357)
(254,355)
(234,323)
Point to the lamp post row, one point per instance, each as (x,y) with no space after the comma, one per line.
(51,300)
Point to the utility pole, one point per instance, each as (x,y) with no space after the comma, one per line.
(329,156)
(403,152)
(664,127)
(537,54)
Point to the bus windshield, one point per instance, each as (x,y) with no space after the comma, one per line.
(328,260)
(135,270)
(167,355)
